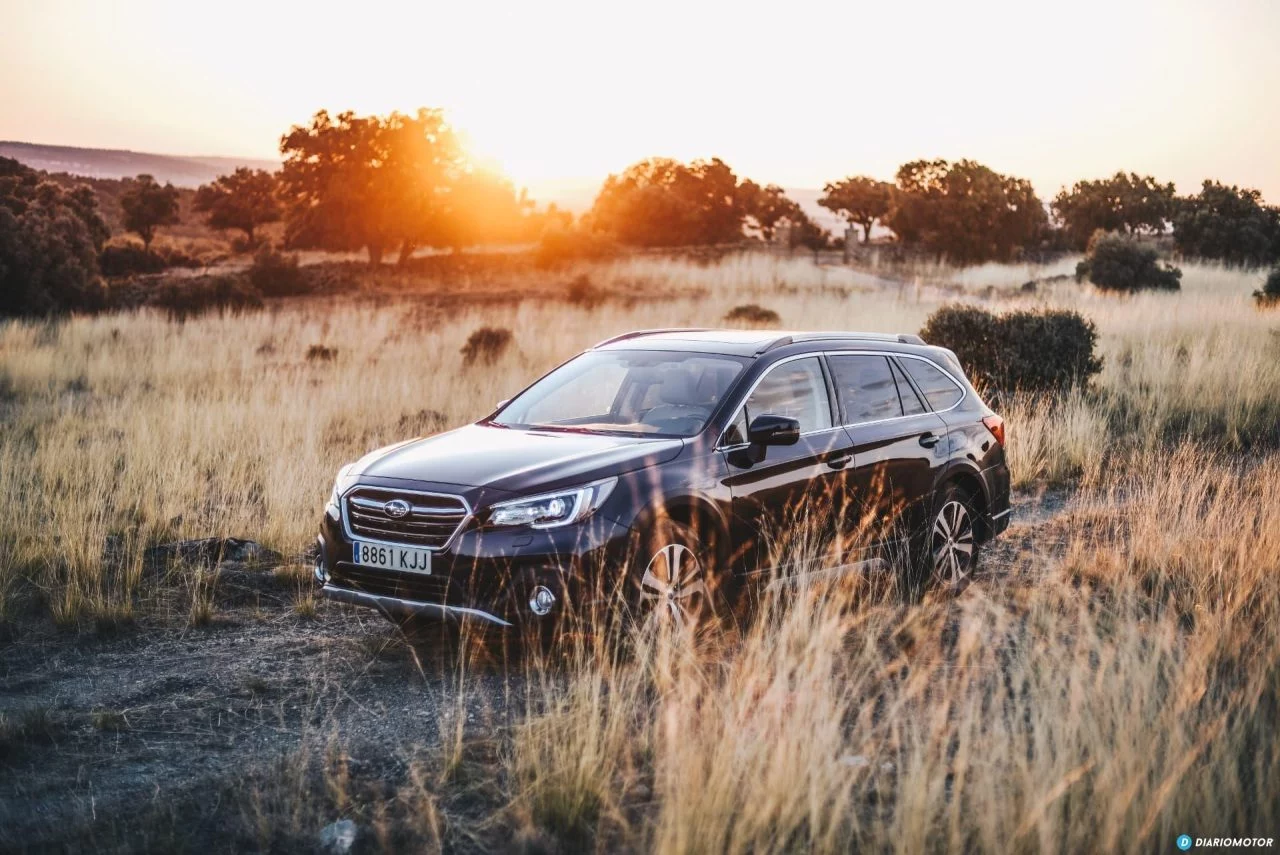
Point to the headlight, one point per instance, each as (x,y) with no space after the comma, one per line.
(550,510)
(340,484)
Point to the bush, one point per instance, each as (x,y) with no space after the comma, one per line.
(187,298)
(275,274)
(486,345)
(1269,296)
(129,259)
(583,292)
(1118,263)
(1034,351)
(320,353)
(50,237)
(753,315)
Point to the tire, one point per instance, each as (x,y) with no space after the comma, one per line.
(945,549)
(674,580)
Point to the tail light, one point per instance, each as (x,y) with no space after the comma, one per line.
(995,424)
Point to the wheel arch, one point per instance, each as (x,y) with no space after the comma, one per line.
(698,512)
(971,481)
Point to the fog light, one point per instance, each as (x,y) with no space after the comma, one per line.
(322,575)
(542,601)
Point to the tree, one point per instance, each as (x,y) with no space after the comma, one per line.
(662,202)
(243,200)
(147,206)
(1131,203)
(50,237)
(351,182)
(860,200)
(965,211)
(808,234)
(767,207)
(1229,224)
(483,207)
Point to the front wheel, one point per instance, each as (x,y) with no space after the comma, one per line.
(675,584)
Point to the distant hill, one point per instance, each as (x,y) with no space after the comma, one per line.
(114,163)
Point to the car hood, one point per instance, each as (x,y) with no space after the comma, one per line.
(515,461)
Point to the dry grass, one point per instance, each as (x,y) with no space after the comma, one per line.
(1116,687)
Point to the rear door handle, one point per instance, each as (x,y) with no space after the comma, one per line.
(839,462)
(929,440)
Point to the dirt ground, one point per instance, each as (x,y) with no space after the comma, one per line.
(162,720)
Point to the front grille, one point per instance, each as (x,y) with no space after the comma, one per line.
(430,523)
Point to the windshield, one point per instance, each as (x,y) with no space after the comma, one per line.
(627,392)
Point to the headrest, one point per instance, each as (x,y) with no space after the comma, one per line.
(677,388)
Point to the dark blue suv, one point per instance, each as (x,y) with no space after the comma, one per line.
(666,467)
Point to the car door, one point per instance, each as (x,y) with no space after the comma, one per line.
(898,444)
(783,496)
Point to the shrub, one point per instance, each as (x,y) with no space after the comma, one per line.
(486,345)
(753,315)
(583,292)
(49,242)
(1035,351)
(275,274)
(1118,263)
(129,259)
(199,295)
(1269,296)
(320,353)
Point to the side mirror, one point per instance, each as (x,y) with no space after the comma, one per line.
(502,403)
(769,429)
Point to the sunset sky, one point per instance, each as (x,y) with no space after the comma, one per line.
(794,93)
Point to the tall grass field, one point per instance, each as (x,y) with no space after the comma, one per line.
(1109,681)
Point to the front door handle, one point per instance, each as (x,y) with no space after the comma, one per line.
(929,440)
(839,462)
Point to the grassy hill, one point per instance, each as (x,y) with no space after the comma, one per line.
(114,163)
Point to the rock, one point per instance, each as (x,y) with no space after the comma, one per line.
(212,551)
(338,837)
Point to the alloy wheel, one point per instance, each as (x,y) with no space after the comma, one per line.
(952,543)
(673,590)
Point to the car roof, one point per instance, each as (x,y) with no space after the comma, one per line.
(740,342)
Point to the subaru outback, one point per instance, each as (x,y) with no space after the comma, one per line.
(659,466)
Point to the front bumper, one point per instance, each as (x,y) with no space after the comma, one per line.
(397,607)
(486,575)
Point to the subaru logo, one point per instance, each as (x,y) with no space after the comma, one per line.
(396,508)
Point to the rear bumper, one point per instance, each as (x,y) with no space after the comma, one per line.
(397,607)
(999,521)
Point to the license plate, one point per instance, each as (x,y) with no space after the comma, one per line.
(386,557)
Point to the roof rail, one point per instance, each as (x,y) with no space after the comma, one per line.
(901,338)
(639,333)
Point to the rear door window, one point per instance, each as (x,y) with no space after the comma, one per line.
(911,403)
(940,390)
(865,387)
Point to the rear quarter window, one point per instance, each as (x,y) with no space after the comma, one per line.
(939,390)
